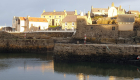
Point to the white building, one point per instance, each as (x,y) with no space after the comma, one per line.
(114,11)
(35,24)
(22,24)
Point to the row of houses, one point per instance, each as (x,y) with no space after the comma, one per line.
(112,11)
(64,19)
(68,19)
(22,24)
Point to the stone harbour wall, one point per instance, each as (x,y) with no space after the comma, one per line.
(26,45)
(43,35)
(89,49)
(110,53)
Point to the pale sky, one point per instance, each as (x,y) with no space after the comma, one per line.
(34,8)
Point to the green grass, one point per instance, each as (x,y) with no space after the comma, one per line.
(52,26)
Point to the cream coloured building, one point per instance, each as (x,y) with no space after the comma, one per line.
(70,21)
(114,11)
(55,18)
(126,22)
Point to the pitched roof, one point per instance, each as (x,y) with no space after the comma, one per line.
(119,9)
(22,18)
(53,13)
(34,19)
(126,18)
(70,18)
(70,12)
(99,9)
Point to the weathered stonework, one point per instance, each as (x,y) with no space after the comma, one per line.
(89,49)
(42,35)
(108,53)
(104,33)
(26,45)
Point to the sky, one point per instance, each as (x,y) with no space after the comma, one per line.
(34,8)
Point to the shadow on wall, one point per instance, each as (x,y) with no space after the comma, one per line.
(33,28)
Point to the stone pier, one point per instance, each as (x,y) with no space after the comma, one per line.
(96,52)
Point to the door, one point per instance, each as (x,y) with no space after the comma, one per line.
(52,21)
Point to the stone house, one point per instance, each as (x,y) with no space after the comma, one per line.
(18,23)
(126,22)
(99,12)
(55,18)
(15,23)
(114,11)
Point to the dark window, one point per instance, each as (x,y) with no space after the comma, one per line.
(91,27)
(113,28)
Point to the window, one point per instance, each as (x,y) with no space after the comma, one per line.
(56,19)
(72,23)
(59,16)
(65,23)
(49,16)
(44,16)
(54,16)
(113,28)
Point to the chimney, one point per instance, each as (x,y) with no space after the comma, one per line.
(120,7)
(91,7)
(43,11)
(28,16)
(64,10)
(81,14)
(54,10)
(88,14)
(113,4)
(75,12)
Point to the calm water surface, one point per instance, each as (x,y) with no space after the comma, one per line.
(42,67)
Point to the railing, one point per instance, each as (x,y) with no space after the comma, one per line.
(45,31)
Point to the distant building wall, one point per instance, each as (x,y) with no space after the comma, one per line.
(69,25)
(125,27)
(42,25)
(100,31)
(22,24)
(112,12)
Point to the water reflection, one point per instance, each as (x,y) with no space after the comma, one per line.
(111,70)
(45,68)
(81,76)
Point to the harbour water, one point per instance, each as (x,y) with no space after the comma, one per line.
(42,67)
